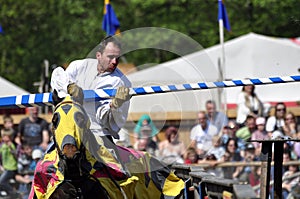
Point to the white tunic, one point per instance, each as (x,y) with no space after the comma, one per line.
(104,120)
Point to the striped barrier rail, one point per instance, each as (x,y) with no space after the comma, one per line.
(45,99)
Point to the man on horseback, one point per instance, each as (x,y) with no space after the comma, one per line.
(83,150)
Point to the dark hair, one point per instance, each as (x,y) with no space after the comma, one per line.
(7,117)
(227,143)
(280,103)
(210,102)
(169,131)
(107,40)
(253,89)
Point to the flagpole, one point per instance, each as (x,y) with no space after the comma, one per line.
(222,94)
(222,69)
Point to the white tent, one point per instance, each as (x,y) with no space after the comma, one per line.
(248,56)
(9,89)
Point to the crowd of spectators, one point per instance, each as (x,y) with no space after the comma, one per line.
(214,139)
(21,147)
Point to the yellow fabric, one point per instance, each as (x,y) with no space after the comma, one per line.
(128,186)
(173,185)
(70,116)
(72,121)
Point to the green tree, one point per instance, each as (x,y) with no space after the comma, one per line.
(63,30)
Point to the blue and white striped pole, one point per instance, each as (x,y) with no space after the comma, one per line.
(45,99)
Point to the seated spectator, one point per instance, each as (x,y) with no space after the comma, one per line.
(26,165)
(145,120)
(245,132)
(145,142)
(190,156)
(250,156)
(229,131)
(34,130)
(248,104)
(202,134)
(289,183)
(215,117)
(212,162)
(217,150)
(290,125)
(171,150)
(276,122)
(231,155)
(259,134)
(254,177)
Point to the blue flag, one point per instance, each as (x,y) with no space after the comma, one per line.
(110,23)
(223,15)
(1,30)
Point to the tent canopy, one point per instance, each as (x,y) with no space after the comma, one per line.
(9,89)
(248,56)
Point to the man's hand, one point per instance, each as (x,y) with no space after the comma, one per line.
(76,92)
(121,96)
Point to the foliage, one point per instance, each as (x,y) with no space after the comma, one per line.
(63,30)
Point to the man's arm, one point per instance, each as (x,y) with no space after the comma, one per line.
(45,140)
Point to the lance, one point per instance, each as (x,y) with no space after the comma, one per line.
(45,99)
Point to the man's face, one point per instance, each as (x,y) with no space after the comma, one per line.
(109,59)
(251,123)
(210,108)
(202,120)
(33,112)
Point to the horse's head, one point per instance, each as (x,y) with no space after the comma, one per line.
(70,123)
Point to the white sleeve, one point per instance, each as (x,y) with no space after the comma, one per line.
(112,119)
(194,133)
(72,70)
(242,109)
(271,122)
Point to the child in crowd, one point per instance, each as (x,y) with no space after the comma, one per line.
(288,181)
(190,156)
(8,151)
(259,134)
(26,165)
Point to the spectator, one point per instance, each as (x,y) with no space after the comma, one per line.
(254,178)
(231,155)
(190,156)
(202,134)
(217,150)
(259,134)
(26,165)
(215,117)
(250,156)
(289,183)
(8,123)
(276,122)
(8,151)
(248,104)
(229,131)
(245,132)
(171,150)
(290,125)
(145,120)
(34,130)
(145,143)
